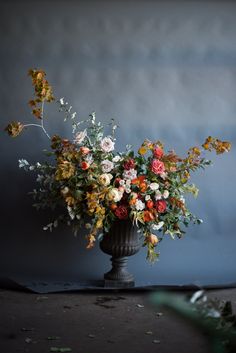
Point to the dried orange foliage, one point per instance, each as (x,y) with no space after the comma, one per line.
(42,91)
(14,128)
(219,146)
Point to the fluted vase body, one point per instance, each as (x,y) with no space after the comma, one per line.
(122,241)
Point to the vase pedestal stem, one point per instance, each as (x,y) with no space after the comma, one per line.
(119,276)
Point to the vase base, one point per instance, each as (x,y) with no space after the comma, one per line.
(108,283)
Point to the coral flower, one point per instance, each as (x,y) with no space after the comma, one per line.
(84,165)
(158,152)
(149,204)
(84,150)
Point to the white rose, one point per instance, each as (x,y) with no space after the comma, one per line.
(107,166)
(154,186)
(104,179)
(139,205)
(114,195)
(158,195)
(166,194)
(80,136)
(107,145)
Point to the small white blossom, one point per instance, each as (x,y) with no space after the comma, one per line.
(154,186)
(157,226)
(107,145)
(166,194)
(116,159)
(147,197)
(128,182)
(139,205)
(127,189)
(182,199)
(107,166)
(62,101)
(122,182)
(80,136)
(23,163)
(130,174)
(158,195)
(73,115)
(32,167)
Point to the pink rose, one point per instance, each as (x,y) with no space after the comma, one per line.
(158,152)
(157,166)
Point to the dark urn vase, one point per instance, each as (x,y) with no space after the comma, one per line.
(122,241)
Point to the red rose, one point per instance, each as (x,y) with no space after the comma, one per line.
(161,206)
(157,166)
(130,164)
(121,212)
(158,152)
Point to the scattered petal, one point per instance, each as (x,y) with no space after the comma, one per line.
(28,340)
(91,335)
(149,332)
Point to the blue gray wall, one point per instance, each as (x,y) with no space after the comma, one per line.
(164,70)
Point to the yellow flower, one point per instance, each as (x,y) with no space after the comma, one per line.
(65,170)
(142,150)
(99,224)
(91,240)
(70,200)
(14,128)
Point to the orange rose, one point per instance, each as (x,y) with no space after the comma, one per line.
(143,187)
(113,207)
(148,216)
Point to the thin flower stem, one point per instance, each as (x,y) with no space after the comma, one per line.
(42,125)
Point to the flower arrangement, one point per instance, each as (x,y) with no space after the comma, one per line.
(97,185)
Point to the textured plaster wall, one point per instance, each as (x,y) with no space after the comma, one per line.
(164,70)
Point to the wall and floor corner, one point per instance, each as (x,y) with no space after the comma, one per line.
(164,70)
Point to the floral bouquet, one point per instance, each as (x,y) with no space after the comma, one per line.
(98,186)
